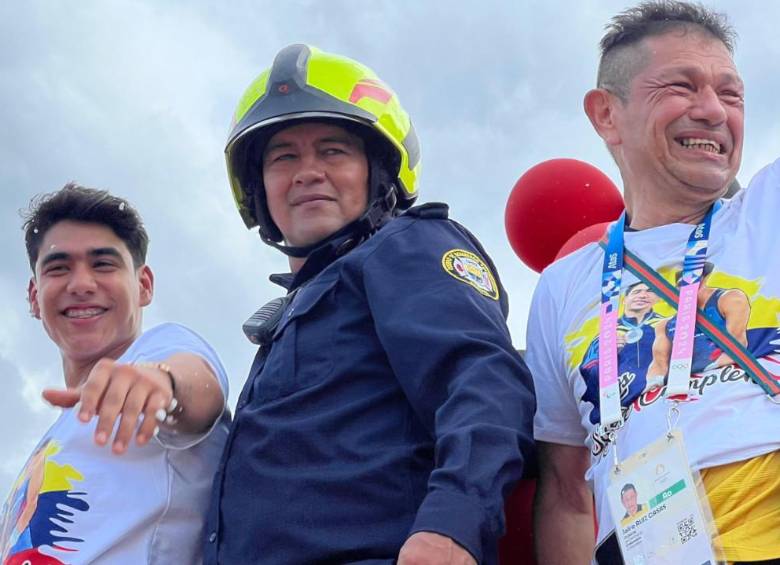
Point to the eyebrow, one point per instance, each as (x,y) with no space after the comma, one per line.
(97,252)
(345,139)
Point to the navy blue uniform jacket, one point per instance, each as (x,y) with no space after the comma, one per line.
(391,401)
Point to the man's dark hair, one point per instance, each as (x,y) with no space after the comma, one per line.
(637,283)
(627,487)
(88,205)
(620,56)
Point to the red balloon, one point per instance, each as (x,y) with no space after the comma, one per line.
(582,238)
(554,200)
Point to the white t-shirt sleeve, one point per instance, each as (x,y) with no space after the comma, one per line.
(761,194)
(557,418)
(165,340)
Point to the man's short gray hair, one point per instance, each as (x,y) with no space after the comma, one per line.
(620,57)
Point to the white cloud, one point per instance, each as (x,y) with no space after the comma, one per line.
(24,419)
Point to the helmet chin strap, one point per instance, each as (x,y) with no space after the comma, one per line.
(378,212)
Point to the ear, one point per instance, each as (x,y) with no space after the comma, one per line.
(145,284)
(32,298)
(601,107)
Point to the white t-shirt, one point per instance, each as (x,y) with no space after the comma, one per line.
(77,502)
(732,419)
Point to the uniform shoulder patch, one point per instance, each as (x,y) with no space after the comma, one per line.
(470,269)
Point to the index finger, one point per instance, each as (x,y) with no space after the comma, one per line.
(94,388)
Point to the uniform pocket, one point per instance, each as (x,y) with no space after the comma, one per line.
(301,353)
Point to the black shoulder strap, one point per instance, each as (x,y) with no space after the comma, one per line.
(429,211)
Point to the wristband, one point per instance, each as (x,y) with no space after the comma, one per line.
(165,368)
(170,414)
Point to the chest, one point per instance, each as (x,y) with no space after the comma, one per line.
(326,335)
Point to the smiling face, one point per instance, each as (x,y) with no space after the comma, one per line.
(316,181)
(87,292)
(680,131)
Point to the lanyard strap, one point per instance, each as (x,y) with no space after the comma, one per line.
(680,361)
(744,358)
(611,276)
(682,345)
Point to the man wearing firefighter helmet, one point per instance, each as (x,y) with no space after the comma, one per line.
(386,414)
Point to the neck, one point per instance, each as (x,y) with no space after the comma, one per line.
(644,217)
(638,316)
(704,295)
(76,372)
(296,263)
(648,209)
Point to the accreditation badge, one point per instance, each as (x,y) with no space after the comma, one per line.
(659,516)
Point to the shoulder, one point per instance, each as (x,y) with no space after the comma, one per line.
(170,332)
(732,296)
(164,340)
(762,189)
(578,273)
(421,238)
(168,328)
(423,248)
(564,301)
(769,176)
(425,229)
(586,258)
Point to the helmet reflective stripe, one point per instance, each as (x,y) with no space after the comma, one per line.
(306,83)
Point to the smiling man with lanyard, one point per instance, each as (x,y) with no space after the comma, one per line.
(669,105)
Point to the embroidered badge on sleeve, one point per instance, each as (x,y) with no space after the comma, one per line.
(470,269)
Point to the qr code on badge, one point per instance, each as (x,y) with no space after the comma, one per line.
(686,528)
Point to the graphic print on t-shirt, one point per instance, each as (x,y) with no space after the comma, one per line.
(646,328)
(42,504)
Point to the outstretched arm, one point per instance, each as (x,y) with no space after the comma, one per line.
(137,396)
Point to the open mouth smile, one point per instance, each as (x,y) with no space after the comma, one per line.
(708,145)
(83,313)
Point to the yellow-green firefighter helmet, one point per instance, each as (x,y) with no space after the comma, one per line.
(305,83)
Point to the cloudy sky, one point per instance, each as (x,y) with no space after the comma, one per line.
(136,97)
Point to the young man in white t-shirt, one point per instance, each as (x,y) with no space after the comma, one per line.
(123,475)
